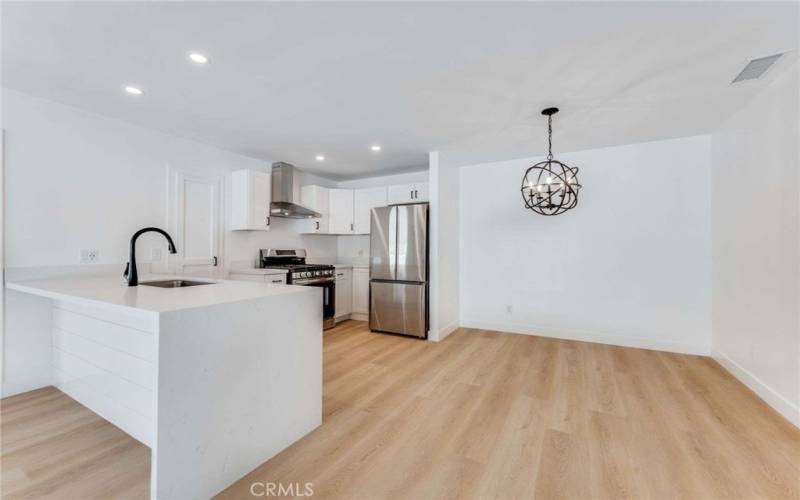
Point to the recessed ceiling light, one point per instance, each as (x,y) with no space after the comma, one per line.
(319,158)
(375,148)
(198,58)
(133,90)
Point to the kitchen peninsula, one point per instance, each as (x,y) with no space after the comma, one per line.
(215,378)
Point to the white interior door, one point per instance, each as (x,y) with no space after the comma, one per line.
(197,207)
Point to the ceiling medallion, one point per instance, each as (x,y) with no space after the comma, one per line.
(550,187)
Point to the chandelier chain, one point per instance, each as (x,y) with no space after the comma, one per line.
(550,137)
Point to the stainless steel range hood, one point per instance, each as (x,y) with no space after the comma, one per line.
(286,194)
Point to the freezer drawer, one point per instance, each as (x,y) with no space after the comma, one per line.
(398,308)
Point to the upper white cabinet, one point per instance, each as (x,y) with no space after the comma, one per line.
(347,211)
(317,198)
(421,191)
(250,197)
(408,193)
(364,201)
(341,211)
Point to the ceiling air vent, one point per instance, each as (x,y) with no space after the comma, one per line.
(756,68)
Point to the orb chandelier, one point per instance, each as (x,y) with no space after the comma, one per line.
(550,187)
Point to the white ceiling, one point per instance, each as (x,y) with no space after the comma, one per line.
(288,81)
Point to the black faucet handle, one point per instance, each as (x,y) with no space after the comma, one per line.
(127,269)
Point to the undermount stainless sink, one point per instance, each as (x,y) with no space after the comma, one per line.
(175,283)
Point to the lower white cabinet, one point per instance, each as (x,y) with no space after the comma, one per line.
(361,292)
(344,293)
(259,278)
(278,279)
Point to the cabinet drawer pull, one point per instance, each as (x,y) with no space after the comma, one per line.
(277,281)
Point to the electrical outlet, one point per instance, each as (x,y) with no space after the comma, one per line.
(509,310)
(156,255)
(90,255)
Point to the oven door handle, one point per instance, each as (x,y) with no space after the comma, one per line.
(314,282)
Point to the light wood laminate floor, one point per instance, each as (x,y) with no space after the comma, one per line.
(479,415)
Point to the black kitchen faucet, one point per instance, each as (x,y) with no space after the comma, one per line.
(130,269)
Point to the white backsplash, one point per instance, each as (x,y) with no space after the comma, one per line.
(244,245)
(353,249)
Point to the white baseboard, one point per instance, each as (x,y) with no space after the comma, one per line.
(444,332)
(600,338)
(354,316)
(19,386)
(779,403)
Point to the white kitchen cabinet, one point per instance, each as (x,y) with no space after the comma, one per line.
(344,293)
(408,193)
(341,211)
(250,198)
(364,201)
(421,191)
(259,278)
(317,198)
(361,293)
(277,279)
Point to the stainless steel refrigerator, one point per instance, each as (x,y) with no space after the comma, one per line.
(398,270)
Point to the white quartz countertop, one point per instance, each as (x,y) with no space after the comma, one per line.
(256,270)
(114,292)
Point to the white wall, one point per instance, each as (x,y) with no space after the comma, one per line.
(444,246)
(79,180)
(756,244)
(630,265)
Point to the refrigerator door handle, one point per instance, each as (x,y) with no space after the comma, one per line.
(393,242)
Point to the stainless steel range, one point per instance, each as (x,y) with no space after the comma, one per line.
(300,273)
